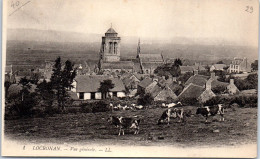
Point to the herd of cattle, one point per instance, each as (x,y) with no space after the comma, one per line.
(174,110)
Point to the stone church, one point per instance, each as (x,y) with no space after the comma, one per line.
(110,57)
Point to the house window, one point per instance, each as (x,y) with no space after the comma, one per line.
(115,48)
(114,94)
(110,47)
(92,95)
(81,95)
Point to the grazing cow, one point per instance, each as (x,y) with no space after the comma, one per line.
(171,105)
(125,123)
(125,107)
(171,113)
(139,107)
(211,111)
(164,105)
(174,105)
(111,106)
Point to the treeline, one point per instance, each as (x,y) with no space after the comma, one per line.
(44,97)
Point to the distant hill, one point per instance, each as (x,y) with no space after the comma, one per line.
(50,35)
(33,46)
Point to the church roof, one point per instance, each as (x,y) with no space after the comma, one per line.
(151,57)
(118,65)
(111,31)
(150,65)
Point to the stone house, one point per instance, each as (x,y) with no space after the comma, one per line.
(232,88)
(86,87)
(219,67)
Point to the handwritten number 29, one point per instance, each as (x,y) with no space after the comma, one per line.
(249,9)
(15,4)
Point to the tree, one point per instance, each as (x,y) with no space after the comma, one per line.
(254,66)
(7,84)
(252,79)
(184,77)
(169,69)
(45,93)
(177,62)
(25,83)
(24,101)
(146,99)
(105,87)
(219,89)
(220,62)
(61,81)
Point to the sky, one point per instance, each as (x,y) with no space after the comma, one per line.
(206,20)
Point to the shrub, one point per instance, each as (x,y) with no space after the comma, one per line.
(86,108)
(219,89)
(189,101)
(51,110)
(217,100)
(100,106)
(241,100)
(147,99)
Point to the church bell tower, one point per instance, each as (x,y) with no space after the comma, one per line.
(110,46)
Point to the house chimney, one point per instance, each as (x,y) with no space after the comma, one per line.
(174,79)
(196,72)
(155,79)
(212,75)
(208,84)
(231,81)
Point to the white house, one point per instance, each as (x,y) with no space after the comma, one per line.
(239,65)
(86,87)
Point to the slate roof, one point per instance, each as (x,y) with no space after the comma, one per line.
(145,82)
(199,80)
(118,65)
(92,83)
(155,91)
(219,66)
(151,65)
(151,58)
(191,91)
(215,83)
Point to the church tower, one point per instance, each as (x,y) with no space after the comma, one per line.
(110,46)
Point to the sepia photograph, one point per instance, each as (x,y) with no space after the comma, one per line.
(130,78)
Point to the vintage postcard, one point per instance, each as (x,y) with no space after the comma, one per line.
(130,78)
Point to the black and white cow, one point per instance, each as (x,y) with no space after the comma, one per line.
(125,123)
(211,111)
(171,113)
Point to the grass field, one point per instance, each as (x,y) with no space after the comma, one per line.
(240,127)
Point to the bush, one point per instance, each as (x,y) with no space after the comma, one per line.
(217,100)
(147,99)
(241,100)
(96,106)
(219,89)
(189,101)
(100,106)
(86,108)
